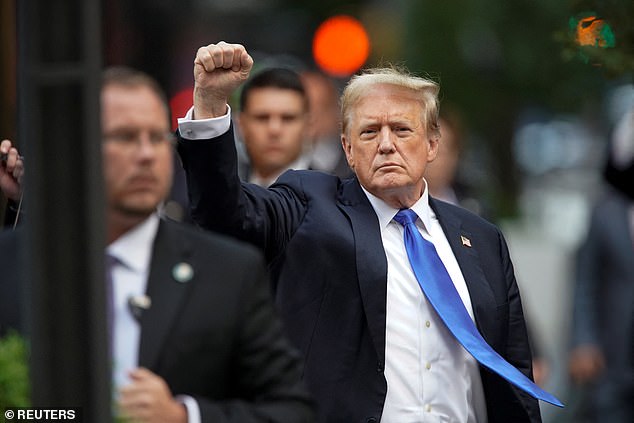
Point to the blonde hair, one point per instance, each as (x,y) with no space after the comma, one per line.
(425,90)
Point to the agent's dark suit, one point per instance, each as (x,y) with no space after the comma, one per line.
(604,304)
(216,337)
(322,240)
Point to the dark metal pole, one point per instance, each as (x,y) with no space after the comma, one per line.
(59,67)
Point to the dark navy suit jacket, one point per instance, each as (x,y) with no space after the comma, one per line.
(322,239)
(604,303)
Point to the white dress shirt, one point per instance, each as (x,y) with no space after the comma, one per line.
(133,254)
(430,376)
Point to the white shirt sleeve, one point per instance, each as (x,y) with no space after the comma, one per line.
(202,129)
(193,411)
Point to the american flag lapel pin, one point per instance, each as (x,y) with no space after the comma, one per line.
(466,242)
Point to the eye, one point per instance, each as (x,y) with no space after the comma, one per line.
(290,118)
(367,133)
(123,136)
(160,137)
(402,131)
(260,118)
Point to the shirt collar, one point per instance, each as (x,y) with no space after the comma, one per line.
(300,164)
(134,248)
(386,213)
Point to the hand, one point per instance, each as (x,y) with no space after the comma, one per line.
(11,171)
(148,399)
(541,369)
(585,363)
(218,70)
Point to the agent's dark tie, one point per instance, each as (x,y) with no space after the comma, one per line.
(109,264)
(441,293)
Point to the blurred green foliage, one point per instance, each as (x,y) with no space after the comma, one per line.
(14,372)
(495,58)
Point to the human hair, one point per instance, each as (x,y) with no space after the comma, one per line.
(282,78)
(426,92)
(132,78)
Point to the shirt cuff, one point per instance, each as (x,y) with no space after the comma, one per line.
(193,411)
(203,129)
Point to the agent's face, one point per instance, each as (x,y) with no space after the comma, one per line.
(274,126)
(137,150)
(387,144)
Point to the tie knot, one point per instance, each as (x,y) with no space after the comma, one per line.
(406,216)
(110,262)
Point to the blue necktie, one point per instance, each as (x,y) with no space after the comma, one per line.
(441,293)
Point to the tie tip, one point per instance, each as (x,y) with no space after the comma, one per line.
(554,401)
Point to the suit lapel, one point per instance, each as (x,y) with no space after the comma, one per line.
(371,262)
(465,249)
(166,293)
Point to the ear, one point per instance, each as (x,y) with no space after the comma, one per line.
(432,151)
(347,148)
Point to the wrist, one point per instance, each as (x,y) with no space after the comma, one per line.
(179,412)
(207,106)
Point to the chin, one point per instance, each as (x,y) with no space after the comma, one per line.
(392,181)
(139,207)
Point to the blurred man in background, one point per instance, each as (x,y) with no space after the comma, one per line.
(274,124)
(325,152)
(602,355)
(443,174)
(193,332)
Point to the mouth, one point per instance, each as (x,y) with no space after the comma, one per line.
(389,166)
(142,182)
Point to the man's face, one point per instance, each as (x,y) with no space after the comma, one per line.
(136,148)
(387,144)
(273,125)
(441,173)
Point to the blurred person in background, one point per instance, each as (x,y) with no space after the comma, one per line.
(194,335)
(443,174)
(601,359)
(274,124)
(325,152)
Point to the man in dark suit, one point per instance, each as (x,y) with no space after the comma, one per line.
(374,348)
(273,123)
(195,337)
(325,153)
(602,351)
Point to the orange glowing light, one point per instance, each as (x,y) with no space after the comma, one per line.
(590,32)
(341,46)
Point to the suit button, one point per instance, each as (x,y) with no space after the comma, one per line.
(379,369)
(370,420)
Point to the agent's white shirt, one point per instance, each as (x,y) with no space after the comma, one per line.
(133,254)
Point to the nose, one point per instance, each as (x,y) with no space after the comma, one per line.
(146,148)
(386,143)
(275,124)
